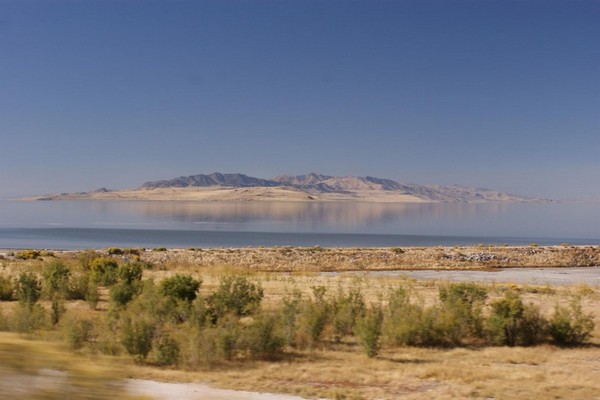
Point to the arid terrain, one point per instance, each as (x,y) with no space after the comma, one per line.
(318,259)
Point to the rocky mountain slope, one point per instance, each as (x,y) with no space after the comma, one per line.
(315,184)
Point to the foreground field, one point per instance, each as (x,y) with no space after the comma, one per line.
(378,337)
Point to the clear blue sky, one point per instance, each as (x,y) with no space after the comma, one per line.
(500,94)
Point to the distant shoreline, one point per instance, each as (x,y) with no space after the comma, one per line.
(260,194)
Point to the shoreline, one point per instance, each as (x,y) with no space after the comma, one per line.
(340,259)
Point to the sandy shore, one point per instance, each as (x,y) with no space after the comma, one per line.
(523,276)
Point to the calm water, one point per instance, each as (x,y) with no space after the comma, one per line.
(92,224)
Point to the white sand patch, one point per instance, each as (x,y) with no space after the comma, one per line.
(196,391)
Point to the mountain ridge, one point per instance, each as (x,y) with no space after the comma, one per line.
(314,184)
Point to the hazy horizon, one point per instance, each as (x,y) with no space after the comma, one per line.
(497,94)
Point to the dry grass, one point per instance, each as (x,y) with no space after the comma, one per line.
(341,371)
(502,373)
(350,259)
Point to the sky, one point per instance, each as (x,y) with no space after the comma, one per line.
(497,94)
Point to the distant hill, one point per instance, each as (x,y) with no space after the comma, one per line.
(215,179)
(317,186)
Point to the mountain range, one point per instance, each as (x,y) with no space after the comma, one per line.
(317,185)
(309,187)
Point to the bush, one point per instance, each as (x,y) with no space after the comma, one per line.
(511,322)
(461,311)
(6,289)
(56,278)
(130,272)
(85,259)
(28,288)
(167,351)
(569,326)
(28,317)
(114,251)
(104,271)
(57,309)
(137,335)
(78,287)
(180,287)
(262,340)
(408,324)
(235,295)
(29,254)
(313,318)
(346,310)
(123,292)
(289,315)
(216,342)
(129,286)
(78,332)
(92,294)
(369,331)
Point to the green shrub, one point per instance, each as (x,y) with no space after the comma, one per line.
(114,251)
(167,351)
(104,271)
(180,287)
(92,294)
(313,318)
(569,326)
(347,308)
(78,286)
(159,249)
(56,278)
(28,317)
(226,336)
(262,339)
(461,311)
(235,295)
(289,315)
(137,335)
(512,322)
(123,292)
(369,331)
(78,331)
(534,327)
(408,324)
(28,288)
(216,342)
(57,309)
(129,277)
(130,272)
(6,289)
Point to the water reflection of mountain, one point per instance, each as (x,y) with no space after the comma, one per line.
(312,214)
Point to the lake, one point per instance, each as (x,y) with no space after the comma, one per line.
(97,224)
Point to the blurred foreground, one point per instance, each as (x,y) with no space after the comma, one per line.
(42,370)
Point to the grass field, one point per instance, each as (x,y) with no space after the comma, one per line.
(333,364)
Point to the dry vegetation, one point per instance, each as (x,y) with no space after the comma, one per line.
(282,259)
(334,364)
